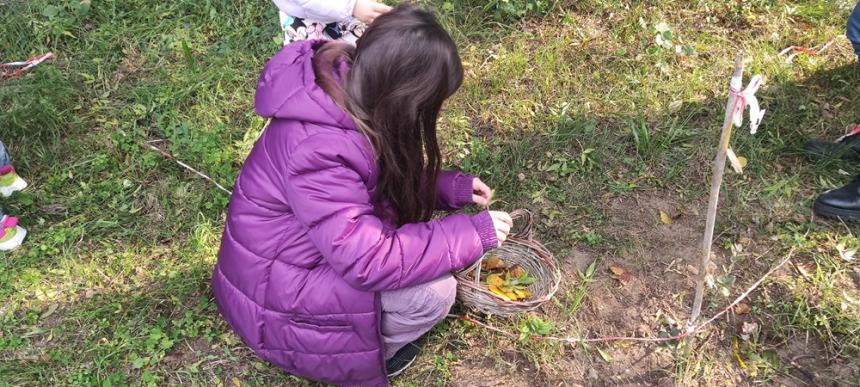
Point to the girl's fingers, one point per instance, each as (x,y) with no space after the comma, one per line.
(380,8)
(480,200)
(503,217)
(482,189)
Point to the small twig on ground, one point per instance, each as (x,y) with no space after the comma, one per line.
(696,329)
(186,166)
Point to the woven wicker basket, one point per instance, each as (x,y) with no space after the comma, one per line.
(520,249)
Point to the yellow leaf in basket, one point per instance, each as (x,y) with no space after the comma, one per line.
(512,296)
(498,292)
(495,280)
(523,294)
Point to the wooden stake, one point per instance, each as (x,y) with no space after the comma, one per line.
(736,86)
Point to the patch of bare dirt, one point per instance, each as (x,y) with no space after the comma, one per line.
(660,259)
(808,364)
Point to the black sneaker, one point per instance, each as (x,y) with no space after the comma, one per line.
(842,203)
(401,360)
(846,147)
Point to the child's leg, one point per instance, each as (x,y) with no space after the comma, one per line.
(409,313)
(4,156)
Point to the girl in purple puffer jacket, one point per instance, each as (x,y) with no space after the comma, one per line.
(330,264)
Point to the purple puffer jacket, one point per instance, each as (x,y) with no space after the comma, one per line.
(305,254)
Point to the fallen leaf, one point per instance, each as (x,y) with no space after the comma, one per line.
(621,274)
(617,269)
(665,218)
(51,309)
(737,354)
(495,280)
(516,271)
(662,27)
(847,255)
(735,161)
(498,292)
(806,269)
(493,262)
(607,357)
(742,308)
(522,293)
(694,270)
(236,382)
(748,329)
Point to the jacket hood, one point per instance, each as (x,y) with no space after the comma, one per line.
(287,89)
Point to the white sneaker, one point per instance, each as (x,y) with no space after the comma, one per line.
(10,182)
(11,234)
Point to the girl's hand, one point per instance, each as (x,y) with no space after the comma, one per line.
(368,10)
(481,193)
(502,222)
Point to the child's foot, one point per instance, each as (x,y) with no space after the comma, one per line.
(10,181)
(401,360)
(846,147)
(842,203)
(11,235)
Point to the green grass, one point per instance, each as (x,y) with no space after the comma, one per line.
(570,109)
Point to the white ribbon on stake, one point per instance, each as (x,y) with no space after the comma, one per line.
(747,98)
(742,100)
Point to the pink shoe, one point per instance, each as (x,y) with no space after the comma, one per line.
(11,235)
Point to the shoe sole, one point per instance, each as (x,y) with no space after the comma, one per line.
(17,185)
(400,371)
(16,240)
(836,212)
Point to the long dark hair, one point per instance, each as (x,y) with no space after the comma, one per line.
(403,68)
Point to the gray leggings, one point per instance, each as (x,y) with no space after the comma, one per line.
(5,159)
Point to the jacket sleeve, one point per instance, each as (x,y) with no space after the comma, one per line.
(327,11)
(326,188)
(453,190)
